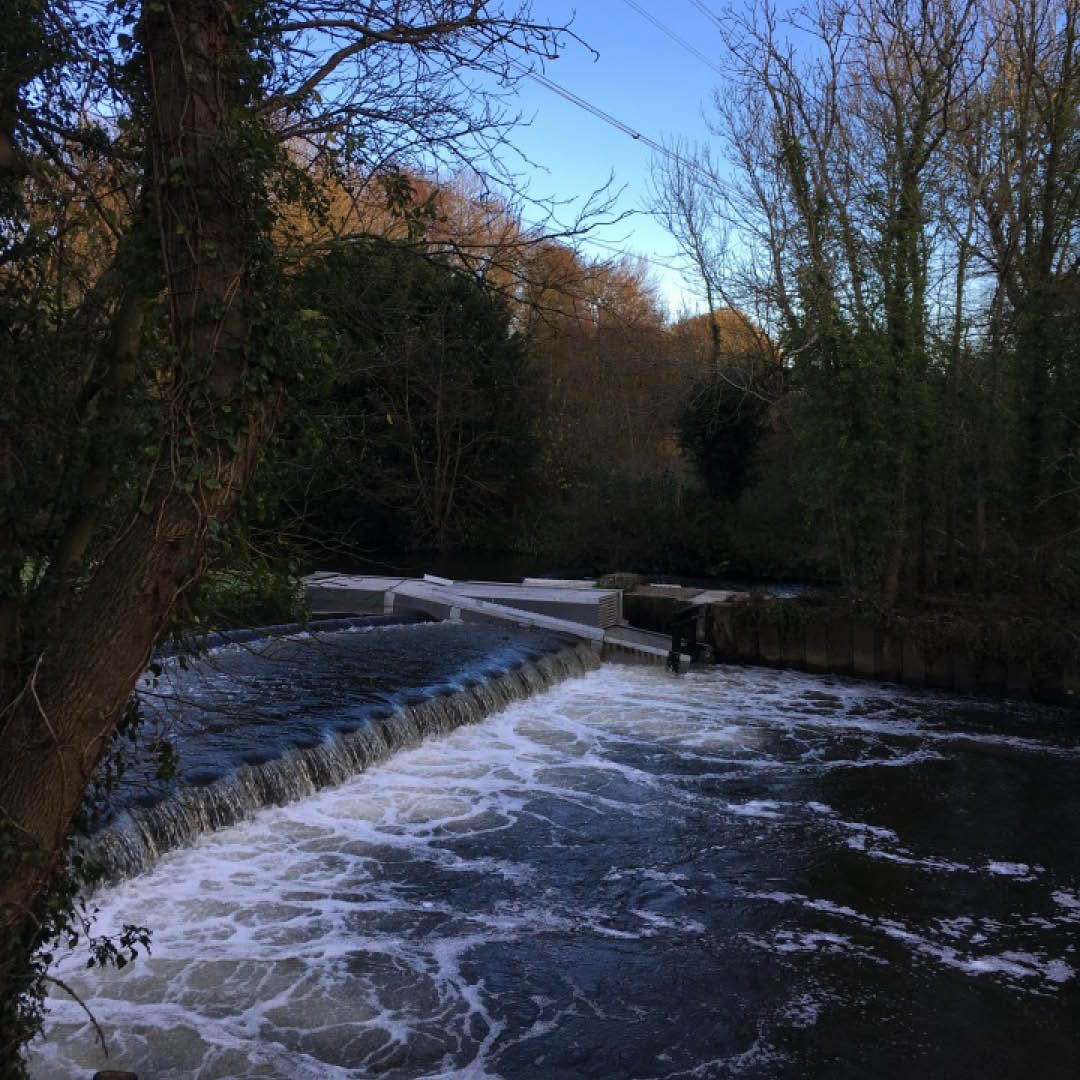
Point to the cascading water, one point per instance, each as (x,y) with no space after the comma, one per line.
(243,745)
(738,872)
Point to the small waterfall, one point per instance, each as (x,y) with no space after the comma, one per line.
(141,835)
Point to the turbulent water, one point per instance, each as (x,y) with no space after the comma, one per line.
(737,872)
(269,720)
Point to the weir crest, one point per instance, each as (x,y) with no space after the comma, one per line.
(134,841)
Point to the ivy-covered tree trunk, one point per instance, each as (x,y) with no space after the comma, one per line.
(216,409)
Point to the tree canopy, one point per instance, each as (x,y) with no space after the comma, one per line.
(892,196)
(426,428)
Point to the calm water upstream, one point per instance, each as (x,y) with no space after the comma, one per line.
(737,872)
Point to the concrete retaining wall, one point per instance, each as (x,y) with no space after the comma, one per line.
(846,646)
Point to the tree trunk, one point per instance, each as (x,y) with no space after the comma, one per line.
(60,723)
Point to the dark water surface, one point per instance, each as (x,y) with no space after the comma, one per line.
(738,872)
(254,701)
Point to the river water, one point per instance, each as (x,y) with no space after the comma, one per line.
(736,872)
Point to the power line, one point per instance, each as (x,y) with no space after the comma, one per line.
(596,111)
(710,15)
(675,37)
(612,121)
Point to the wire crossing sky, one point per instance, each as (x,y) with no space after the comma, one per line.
(652,82)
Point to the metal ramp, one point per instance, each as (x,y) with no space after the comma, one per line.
(593,615)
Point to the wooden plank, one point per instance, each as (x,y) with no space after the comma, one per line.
(939,670)
(840,647)
(963,673)
(863,650)
(721,633)
(816,648)
(793,646)
(990,677)
(769,643)
(914,663)
(890,657)
(1017,679)
(747,648)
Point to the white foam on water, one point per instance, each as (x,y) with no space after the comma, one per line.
(756,808)
(1018,965)
(759,1059)
(964,943)
(302,881)
(1068,900)
(879,842)
(1012,869)
(804,1010)
(937,865)
(340,936)
(809,941)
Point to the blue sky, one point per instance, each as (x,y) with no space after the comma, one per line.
(644,79)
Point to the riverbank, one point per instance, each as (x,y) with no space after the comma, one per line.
(996,651)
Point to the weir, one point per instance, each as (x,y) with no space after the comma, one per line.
(243,755)
(578,609)
(265,724)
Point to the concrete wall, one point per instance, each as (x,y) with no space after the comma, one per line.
(845,646)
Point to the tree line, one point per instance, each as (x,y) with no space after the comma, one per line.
(163,166)
(892,194)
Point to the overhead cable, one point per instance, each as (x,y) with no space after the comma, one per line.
(607,118)
(708,13)
(675,37)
